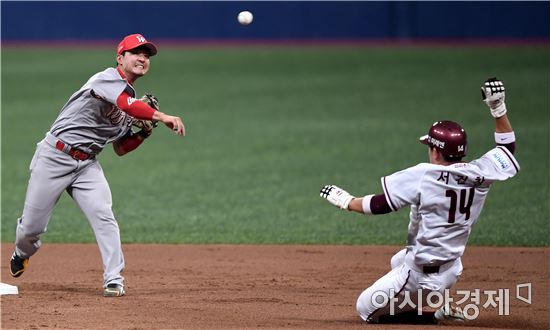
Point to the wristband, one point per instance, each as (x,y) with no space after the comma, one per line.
(366,204)
(505,138)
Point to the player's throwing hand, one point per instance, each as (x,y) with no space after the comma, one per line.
(173,122)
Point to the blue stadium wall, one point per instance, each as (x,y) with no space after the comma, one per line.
(273,20)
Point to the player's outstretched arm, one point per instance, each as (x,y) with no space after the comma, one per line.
(149,110)
(370,204)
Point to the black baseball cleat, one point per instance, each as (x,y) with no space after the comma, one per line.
(17,265)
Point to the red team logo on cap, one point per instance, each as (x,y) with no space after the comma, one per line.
(133,41)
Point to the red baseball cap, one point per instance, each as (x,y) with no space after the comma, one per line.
(134,41)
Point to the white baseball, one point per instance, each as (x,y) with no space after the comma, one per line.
(245,17)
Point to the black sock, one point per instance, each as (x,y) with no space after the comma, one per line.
(409,317)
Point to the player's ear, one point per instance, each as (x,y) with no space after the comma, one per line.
(434,155)
(119,59)
(439,155)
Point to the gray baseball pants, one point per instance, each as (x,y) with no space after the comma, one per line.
(52,172)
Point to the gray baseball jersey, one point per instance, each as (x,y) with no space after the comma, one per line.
(91,119)
(87,122)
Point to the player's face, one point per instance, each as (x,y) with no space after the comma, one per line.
(135,62)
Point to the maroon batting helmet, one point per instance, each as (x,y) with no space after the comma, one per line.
(448,137)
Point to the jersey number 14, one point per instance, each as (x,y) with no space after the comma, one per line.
(464,203)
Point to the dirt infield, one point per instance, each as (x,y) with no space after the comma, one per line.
(248,287)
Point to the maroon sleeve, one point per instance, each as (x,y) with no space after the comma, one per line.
(379,204)
(509,146)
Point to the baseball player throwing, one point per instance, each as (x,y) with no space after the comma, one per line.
(445,197)
(100,112)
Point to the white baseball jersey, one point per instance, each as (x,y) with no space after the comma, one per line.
(448,201)
(91,119)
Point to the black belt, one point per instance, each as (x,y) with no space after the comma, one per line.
(430,269)
(75,153)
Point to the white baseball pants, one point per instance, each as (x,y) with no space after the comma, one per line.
(405,276)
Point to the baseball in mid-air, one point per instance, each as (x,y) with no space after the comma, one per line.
(245,17)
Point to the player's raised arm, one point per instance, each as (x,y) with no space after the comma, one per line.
(493,94)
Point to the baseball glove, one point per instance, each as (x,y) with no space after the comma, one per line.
(146,126)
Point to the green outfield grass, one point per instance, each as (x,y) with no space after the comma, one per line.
(267,127)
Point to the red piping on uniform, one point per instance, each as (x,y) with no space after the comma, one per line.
(124,76)
(120,72)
